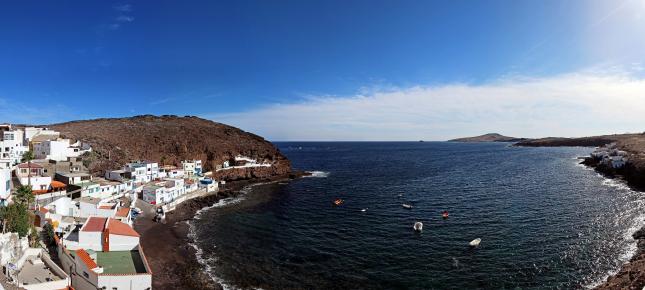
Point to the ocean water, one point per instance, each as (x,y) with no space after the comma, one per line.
(545,221)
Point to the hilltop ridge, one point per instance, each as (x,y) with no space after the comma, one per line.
(490,137)
(168,139)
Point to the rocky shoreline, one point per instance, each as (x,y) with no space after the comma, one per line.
(168,246)
(632,274)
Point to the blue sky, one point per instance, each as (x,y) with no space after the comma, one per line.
(259,64)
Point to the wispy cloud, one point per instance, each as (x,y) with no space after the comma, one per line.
(123,7)
(122,18)
(576,104)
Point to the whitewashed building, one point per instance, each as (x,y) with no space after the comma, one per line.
(60,149)
(104,254)
(192,167)
(164,191)
(32,174)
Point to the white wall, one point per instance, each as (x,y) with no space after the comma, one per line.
(123,243)
(90,240)
(37,182)
(5,183)
(129,282)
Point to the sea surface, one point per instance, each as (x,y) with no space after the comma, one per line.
(545,221)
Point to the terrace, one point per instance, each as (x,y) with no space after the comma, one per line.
(121,262)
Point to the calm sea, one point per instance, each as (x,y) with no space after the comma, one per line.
(544,220)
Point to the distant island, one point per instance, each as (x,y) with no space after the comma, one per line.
(490,137)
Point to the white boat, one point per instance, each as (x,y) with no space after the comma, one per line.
(408,206)
(364,210)
(475,242)
(418,226)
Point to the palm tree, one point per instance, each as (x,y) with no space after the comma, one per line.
(24,195)
(27,157)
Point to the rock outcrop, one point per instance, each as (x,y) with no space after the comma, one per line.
(170,139)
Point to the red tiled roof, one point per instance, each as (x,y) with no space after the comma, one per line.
(118,228)
(94,224)
(43,210)
(26,165)
(58,184)
(106,206)
(85,257)
(123,212)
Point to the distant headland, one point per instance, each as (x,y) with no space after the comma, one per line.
(490,137)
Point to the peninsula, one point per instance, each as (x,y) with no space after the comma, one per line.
(490,137)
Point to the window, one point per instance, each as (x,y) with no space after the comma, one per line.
(85,274)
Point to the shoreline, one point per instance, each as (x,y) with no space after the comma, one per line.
(170,248)
(631,275)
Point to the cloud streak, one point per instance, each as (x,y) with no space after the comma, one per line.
(576,104)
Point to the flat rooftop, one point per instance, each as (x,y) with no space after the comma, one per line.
(120,262)
(35,271)
(74,174)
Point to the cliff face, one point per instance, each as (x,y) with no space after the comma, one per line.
(170,139)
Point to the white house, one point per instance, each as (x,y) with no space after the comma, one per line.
(104,254)
(169,171)
(11,148)
(91,206)
(143,171)
(31,132)
(164,192)
(192,167)
(60,149)
(33,174)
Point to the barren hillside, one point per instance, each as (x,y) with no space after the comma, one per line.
(168,140)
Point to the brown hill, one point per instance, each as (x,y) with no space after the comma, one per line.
(168,140)
(490,137)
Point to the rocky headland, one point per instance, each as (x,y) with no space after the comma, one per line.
(490,137)
(169,140)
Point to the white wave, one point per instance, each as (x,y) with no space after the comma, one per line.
(616,183)
(221,203)
(319,174)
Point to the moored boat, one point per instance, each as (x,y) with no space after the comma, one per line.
(418,226)
(407,206)
(475,242)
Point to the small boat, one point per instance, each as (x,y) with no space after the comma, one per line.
(444,214)
(364,210)
(475,242)
(418,226)
(338,202)
(400,194)
(407,206)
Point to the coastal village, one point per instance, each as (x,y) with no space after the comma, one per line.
(65,228)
